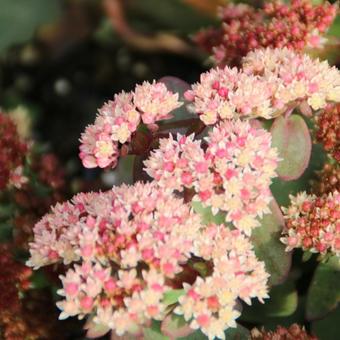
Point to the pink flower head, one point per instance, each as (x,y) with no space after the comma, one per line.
(295,77)
(313,223)
(111,235)
(231,176)
(210,304)
(155,101)
(119,119)
(228,93)
(97,148)
(298,25)
(131,246)
(119,225)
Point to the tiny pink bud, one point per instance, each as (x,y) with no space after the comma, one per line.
(110,286)
(86,303)
(71,288)
(169,166)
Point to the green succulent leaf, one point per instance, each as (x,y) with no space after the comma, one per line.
(207,215)
(172,296)
(328,327)
(282,189)
(283,302)
(292,139)
(324,291)
(238,333)
(269,248)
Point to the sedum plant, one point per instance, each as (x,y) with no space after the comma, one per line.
(200,244)
(182,251)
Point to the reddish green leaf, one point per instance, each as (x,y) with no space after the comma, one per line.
(292,139)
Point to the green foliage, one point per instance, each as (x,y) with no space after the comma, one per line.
(19,19)
(269,248)
(283,302)
(335,28)
(328,328)
(172,296)
(292,139)
(324,291)
(207,215)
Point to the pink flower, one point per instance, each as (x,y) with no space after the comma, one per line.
(268,82)
(313,223)
(155,101)
(119,119)
(210,304)
(297,25)
(232,175)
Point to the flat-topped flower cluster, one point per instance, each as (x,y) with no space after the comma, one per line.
(313,223)
(130,247)
(268,83)
(232,175)
(297,25)
(119,119)
(131,243)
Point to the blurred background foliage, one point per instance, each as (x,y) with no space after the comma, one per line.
(61,59)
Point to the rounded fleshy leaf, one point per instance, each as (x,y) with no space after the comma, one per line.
(292,139)
(268,247)
(282,189)
(174,326)
(324,291)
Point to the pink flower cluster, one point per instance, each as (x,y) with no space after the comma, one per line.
(210,304)
(117,235)
(120,118)
(232,175)
(297,26)
(269,82)
(313,223)
(298,77)
(120,225)
(130,245)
